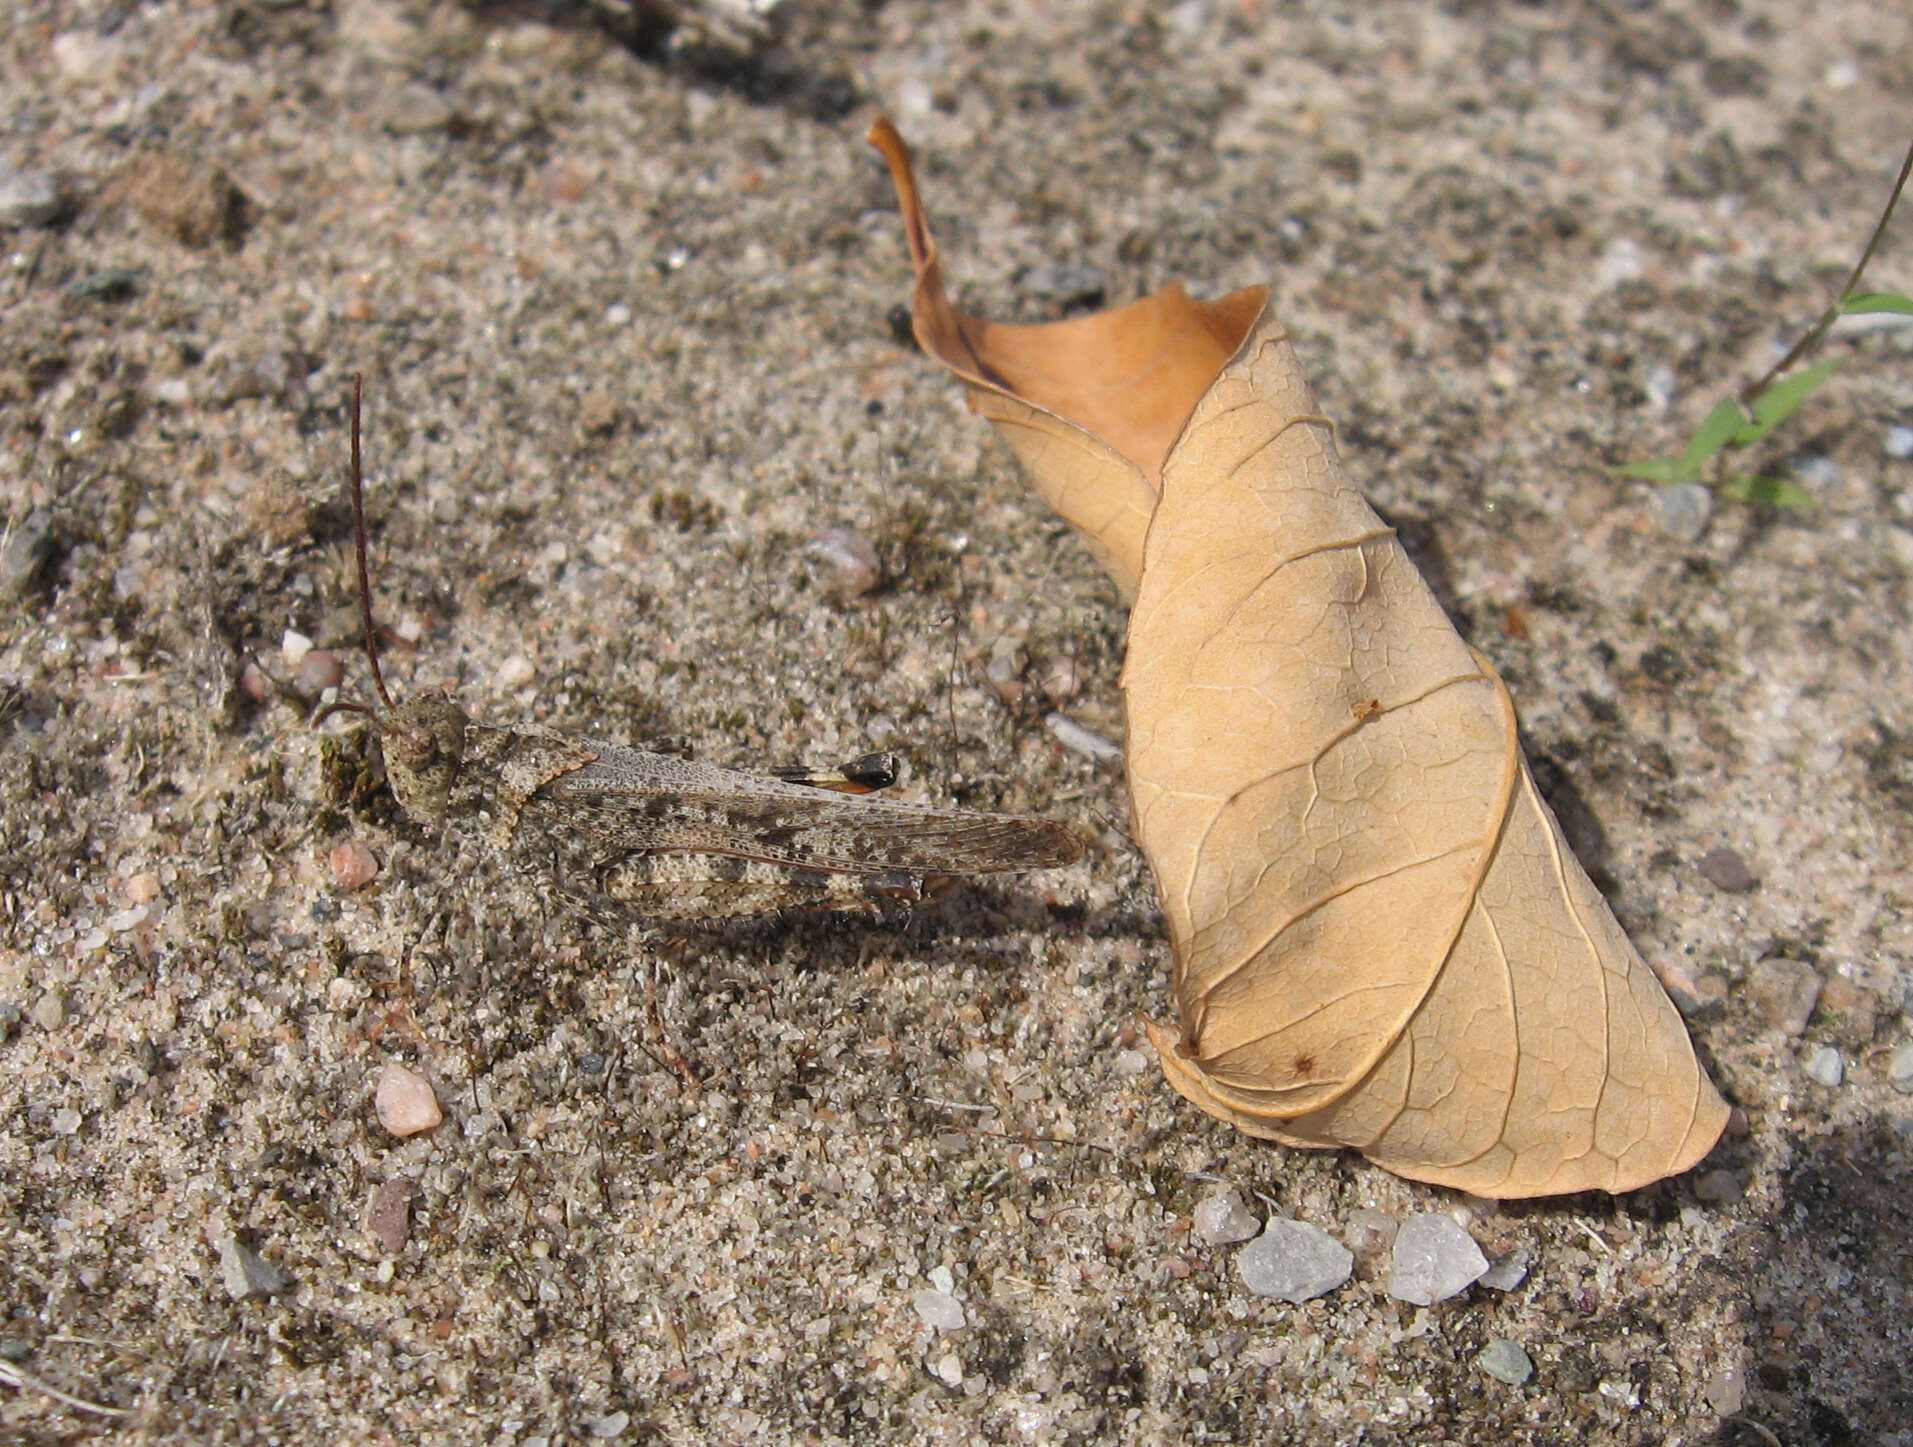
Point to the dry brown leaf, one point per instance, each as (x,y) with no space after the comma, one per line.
(1090,405)
(1381,939)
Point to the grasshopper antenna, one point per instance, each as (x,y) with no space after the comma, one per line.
(359,549)
(358,543)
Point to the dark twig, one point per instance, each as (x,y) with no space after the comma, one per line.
(1832,314)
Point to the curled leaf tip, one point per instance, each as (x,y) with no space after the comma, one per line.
(1092,404)
(916,226)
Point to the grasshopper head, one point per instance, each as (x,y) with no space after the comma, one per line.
(424,746)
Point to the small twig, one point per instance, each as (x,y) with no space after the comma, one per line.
(667,1053)
(12,1376)
(1832,314)
(1035,1140)
(1768,1437)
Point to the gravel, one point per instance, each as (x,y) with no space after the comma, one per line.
(939,1310)
(1826,1066)
(388,1218)
(1785,993)
(1433,1259)
(26,543)
(1506,1361)
(31,198)
(1683,510)
(1726,870)
(855,566)
(49,1011)
(1294,1261)
(405,1101)
(247,1274)
(353,865)
(1222,1219)
(1506,1272)
(1899,1068)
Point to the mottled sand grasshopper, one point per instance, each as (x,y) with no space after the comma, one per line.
(626,834)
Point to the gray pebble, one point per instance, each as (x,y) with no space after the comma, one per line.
(939,1310)
(1294,1261)
(277,372)
(1720,1187)
(24,550)
(1726,1391)
(1899,442)
(1899,1069)
(1826,1066)
(31,198)
(1369,1232)
(1683,510)
(1222,1218)
(855,566)
(1507,1272)
(49,1011)
(412,108)
(1434,1260)
(1785,992)
(1726,870)
(612,1424)
(1505,1361)
(1822,472)
(113,284)
(246,1273)
(1069,283)
(320,670)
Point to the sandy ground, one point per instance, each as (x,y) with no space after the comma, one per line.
(627,317)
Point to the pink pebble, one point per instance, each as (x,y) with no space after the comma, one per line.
(855,566)
(405,1102)
(320,670)
(389,1217)
(353,865)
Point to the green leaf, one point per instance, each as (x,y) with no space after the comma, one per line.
(1749,488)
(1714,433)
(1776,404)
(1876,301)
(1654,469)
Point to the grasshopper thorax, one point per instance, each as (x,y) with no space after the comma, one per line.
(424,746)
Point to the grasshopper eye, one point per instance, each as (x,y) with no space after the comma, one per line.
(412,748)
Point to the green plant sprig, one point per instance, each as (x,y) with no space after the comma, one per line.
(1741,420)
